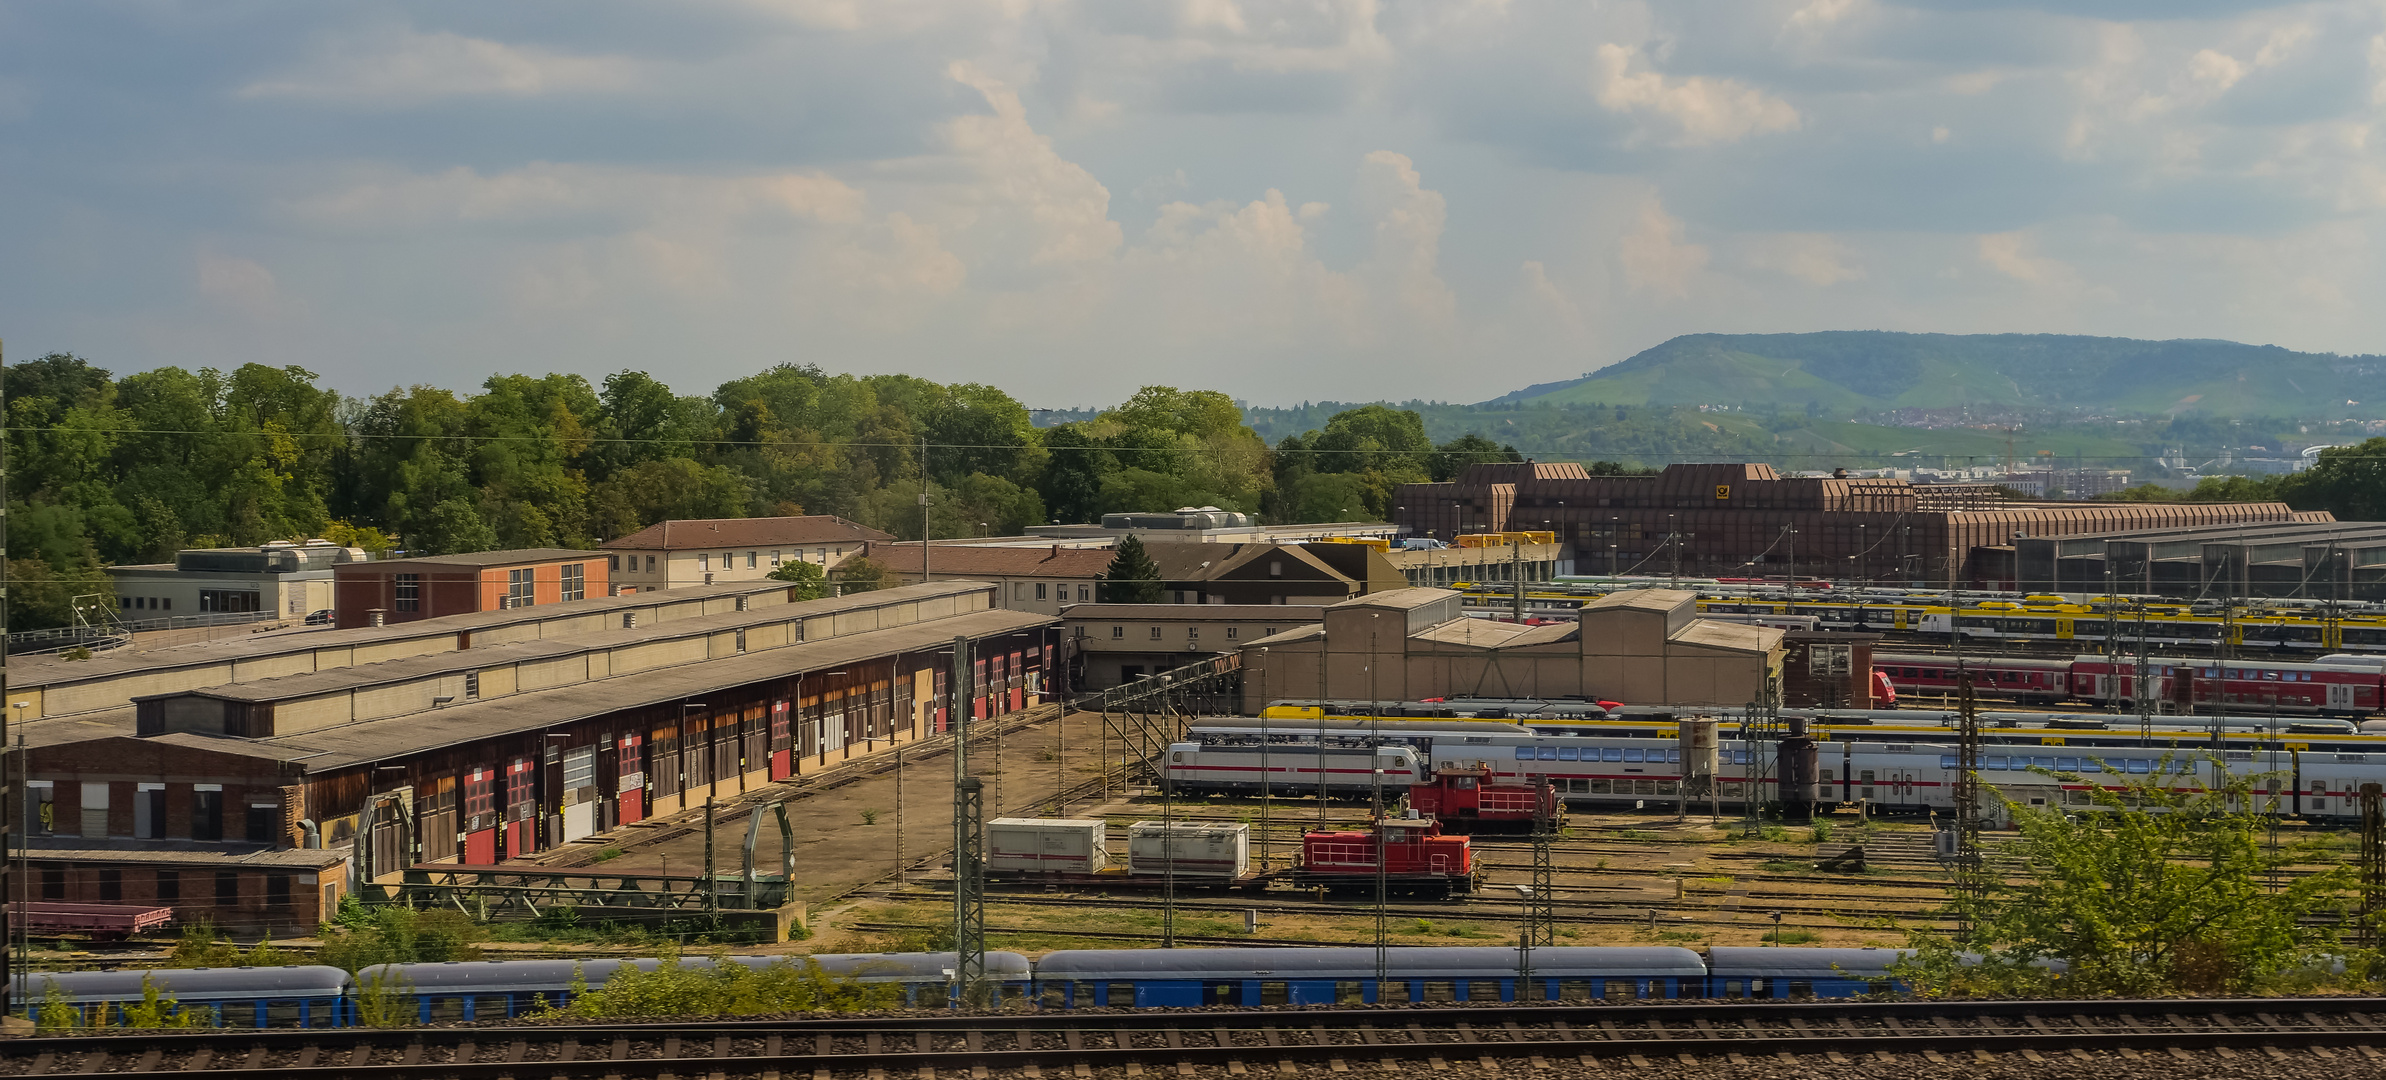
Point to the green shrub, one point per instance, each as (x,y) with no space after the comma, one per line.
(202,945)
(1793,937)
(723,989)
(360,937)
(1821,832)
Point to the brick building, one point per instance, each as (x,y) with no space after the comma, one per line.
(404,590)
(1745,520)
(245,893)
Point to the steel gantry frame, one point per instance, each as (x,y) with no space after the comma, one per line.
(1147,715)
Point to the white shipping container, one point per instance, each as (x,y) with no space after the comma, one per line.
(1047,845)
(1206,849)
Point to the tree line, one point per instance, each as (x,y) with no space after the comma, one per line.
(110,469)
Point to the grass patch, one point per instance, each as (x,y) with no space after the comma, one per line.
(1793,937)
(1784,866)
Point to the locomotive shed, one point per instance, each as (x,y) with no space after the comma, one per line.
(2175,1037)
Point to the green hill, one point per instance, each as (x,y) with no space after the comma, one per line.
(1871,370)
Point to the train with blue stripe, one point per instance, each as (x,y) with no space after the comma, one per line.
(315,996)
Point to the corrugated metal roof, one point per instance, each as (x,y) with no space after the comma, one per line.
(1739,637)
(288,858)
(379,740)
(28,671)
(48,671)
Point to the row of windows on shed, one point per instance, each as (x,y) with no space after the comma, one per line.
(1192,633)
(728,559)
(167,885)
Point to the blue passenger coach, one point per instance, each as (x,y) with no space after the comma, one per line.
(1743,972)
(311,995)
(1127,978)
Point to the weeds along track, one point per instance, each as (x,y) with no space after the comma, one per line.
(2330,1035)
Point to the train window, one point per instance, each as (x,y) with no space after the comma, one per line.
(1222,993)
(1947,761)
(2140,765)
(1632,753)
(2043,762)
(1081,995)
(1052,996)
(1673,757)
(1121,995)
(1350,992)
(1734,988)
(2069,764)
(1994,762)
(1482,990)
(2079,797)
(1393,990)
(1568,753)
(1622,990)
(1864,776)
(1574,990)
(2089,765)
(1439,991)
(1524,753)
(1611,753)
(1801,989)
(446,1008)
(1665,787)
(491,1007)
(1602,787)
(281,1014)
(1549,753)
(322,1012)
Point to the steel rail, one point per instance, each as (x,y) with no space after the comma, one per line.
(1678,1025)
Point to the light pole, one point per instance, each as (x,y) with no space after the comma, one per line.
(1776,929)
(1524,941)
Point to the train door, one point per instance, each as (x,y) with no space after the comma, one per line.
(2340,697)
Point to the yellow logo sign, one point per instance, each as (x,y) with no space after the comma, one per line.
(1723,491)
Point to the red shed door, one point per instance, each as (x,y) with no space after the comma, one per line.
(631,783)
(480,848)
(782,751)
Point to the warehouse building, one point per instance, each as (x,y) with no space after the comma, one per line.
(1112,644)
(2316,561)
(1745,520)
(1640,645)
(499,750)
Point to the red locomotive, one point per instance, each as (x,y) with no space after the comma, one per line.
(1466,800)
(1416,859)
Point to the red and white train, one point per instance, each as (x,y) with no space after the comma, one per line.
(2341,685)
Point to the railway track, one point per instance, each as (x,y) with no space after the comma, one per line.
(2325,1034)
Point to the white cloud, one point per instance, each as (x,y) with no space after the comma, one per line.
(2013,255)
(1702,110)
(240,285)
(1817,259)
(1655,257)
(403,66)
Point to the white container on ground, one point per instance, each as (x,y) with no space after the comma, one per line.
(1204,849)
(1047,845)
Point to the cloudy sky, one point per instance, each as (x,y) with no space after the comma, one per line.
(1282,199)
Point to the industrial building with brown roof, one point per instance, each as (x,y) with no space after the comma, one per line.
(706,551)
(1039,579)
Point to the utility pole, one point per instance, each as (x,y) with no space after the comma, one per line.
(969,840)
(1516,571)
(11,810)
(2373,863)
(924,574)
(2143,685)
